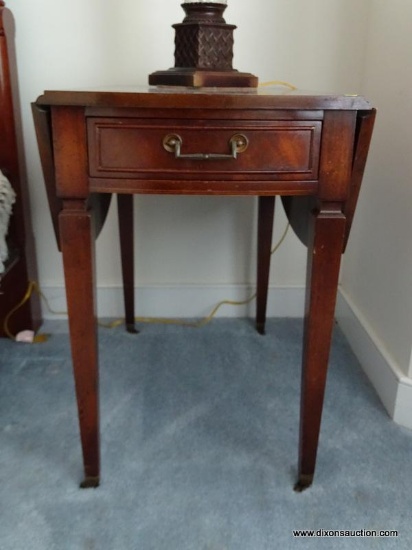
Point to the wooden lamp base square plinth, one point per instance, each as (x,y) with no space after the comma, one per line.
(203,78)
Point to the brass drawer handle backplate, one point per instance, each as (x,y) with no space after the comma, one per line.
(237,143)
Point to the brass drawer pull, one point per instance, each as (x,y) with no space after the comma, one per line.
(173,144)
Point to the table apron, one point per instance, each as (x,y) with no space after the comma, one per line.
(190,187)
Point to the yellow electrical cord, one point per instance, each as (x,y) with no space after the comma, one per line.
(205,320)
(34,287)
(30,288)
(278,83)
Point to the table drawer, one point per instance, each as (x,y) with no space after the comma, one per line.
(208,150)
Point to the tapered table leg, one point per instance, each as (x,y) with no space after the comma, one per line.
(77,244)
(324,256)
(125,215)
(266,208)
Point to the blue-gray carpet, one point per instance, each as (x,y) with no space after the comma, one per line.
(199,446)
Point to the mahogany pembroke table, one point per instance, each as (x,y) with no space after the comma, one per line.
(309,149)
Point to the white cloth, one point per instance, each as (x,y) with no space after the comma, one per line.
(7,199)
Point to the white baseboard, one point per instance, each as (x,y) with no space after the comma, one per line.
(193,301)
(392,386)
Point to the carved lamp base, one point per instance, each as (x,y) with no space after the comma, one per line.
(203,51)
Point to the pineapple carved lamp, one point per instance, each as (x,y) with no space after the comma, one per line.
(203,50)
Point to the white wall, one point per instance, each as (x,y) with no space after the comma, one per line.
(377,271)
(208,242)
